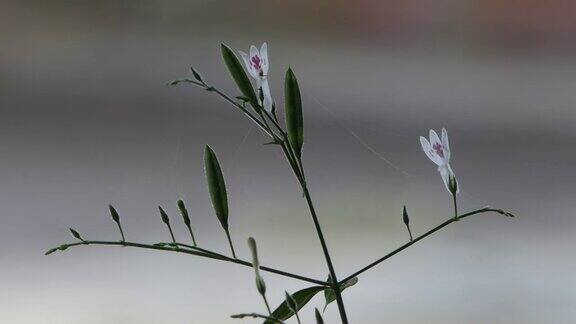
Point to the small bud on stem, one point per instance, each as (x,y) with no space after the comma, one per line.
(406,220)
(260,284)
(166,221)
(76,234)
(186,218)
(116,218)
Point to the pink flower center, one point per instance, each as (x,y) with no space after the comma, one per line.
(439,149)
(256,63)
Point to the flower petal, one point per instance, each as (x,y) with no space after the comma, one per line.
(434,139)
(254,52)
(267,96)
(427,148)
(264,57)
(249,67)
(445,174)
(446,144)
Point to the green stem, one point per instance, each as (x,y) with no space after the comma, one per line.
(430,232)
(267,305)
(455,207)
(230,242)
(200,253)
(121,232)
(409,232)
(192,235)
(255,315)
(296,165)
(171,233)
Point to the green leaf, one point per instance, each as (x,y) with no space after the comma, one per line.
(302,297)
(319,319)
(294,119)
(329,294)
(216,186)
(238,74)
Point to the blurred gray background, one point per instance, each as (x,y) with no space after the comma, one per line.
(86,120)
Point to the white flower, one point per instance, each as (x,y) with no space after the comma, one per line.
(439,152)
(257,65)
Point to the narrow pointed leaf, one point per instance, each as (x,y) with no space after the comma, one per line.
(329,294)
(302,297)
(291,302)
(216,186)
(294,119)
(319,319)
(238,74)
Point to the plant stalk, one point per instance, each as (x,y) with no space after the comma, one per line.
(201,253)
(432,231)
(230,242)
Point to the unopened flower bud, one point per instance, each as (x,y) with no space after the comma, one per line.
(76,234)
(164,216)
(254,251)
(260,284)
(405,217)
(114,214)
(184,212)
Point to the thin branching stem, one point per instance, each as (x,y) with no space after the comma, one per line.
(121,231)
(192,235)
(230,243)
(430,232)
(297,167)
(267,305)
(245,111)
(256,315)
(455,201)
(201,253)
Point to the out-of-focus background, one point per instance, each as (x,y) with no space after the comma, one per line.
(86,120)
